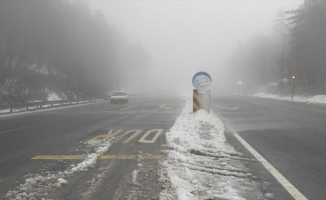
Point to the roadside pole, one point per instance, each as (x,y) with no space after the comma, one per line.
(293,77)
(201,95)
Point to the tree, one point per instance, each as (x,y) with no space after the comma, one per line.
(309,41)
(64,47)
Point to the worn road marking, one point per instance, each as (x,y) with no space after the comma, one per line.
(234,108)
(103,157)
(127,108)
(109,135)
(144,140)
(60,157)
(316,127)
(295,193)
(136,132)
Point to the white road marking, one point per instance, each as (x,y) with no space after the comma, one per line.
(295,193)
(234,108)
(127,108)
(316,127)
(162,106)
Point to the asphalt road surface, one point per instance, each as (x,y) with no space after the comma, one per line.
(42,145)
(34,145)
(289,135)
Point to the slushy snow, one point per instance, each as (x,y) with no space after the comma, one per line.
(36,185)
(200,163)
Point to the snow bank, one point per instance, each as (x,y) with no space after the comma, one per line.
(318,99)
(200,163)
(36,185)
(22,111)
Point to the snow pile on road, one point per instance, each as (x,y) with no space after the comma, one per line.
(61,182)
(36,185)
(134,177)
(317,99)
(200,164)
(92,158)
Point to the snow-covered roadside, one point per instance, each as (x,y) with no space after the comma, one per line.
(45,108)
(317,99)
(37,185)
(200,164)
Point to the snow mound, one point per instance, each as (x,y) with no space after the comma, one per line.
(200,163)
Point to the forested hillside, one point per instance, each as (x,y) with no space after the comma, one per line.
(296,48)
(63,48)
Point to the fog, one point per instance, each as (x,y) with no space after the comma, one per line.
(183,37)
(65,49)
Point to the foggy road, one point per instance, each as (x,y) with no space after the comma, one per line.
(39,146)
(291,136)
(155,146)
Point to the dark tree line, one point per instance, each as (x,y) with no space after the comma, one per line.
(296,47)
(57,46)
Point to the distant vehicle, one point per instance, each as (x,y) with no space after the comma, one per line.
(119,96)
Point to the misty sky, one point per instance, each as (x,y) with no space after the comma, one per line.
(183,37)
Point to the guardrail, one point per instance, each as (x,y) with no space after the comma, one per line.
(39,105)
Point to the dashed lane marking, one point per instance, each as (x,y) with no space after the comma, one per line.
(103,157)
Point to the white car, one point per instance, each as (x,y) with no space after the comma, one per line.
(119,96)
